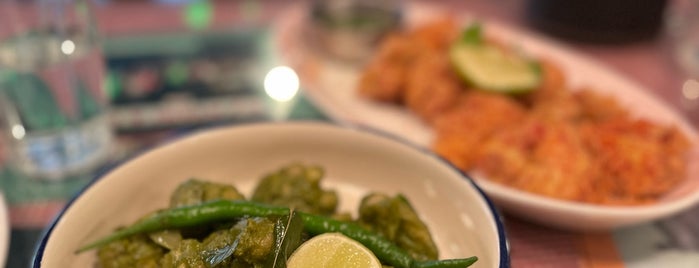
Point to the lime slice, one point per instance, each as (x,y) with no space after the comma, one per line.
(332,250)
(488,67)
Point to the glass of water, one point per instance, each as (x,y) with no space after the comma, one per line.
(52,103)
(683,28)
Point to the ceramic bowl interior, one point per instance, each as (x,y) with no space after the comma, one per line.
(460,217)
(4,231)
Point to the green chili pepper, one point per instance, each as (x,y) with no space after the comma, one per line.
(193,215)
(208,212)
(451,263)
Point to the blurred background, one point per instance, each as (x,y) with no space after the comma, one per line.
(85,84)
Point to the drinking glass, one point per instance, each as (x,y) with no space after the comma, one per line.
(683,28)
(52,104)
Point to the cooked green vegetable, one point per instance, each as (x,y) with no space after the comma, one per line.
(214,211)
(220,245)
(169,239)
(131,251)
(188,254)
(194,215)
(451,263)
(213,225)
(256,241)
(191,192)
(297,186)
(196,191)
(395,219)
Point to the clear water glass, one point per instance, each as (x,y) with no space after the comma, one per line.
(683,27)
(52,102)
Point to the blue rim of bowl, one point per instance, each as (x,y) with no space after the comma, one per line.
(497,218)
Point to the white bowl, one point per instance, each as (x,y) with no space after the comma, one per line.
(4,231)
(462,220)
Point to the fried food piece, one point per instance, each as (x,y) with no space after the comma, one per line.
(554,84)
(639,160)
(437,35)
(384,77)
(432,87)
(477,114)
(560,107)
(596,107)
(541,157)
(553,101)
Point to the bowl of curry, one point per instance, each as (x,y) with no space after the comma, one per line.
(248,195)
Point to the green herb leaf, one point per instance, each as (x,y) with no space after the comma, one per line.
(288,231)
(473,34)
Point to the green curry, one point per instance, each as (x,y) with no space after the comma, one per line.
(213,225)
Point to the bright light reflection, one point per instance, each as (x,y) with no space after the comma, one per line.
(690,90)
(18,132)
(281,83)
(67,47)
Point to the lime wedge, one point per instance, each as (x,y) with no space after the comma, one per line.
(332,250)
(488,67)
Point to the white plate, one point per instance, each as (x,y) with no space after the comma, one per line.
(4,231)
(332,87)
(461,219)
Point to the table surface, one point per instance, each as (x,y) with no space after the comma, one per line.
(672,242)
